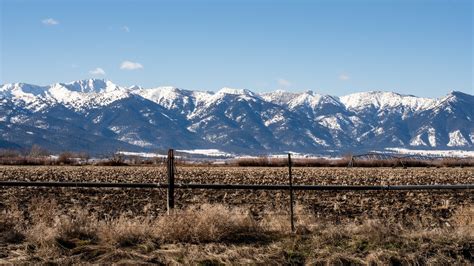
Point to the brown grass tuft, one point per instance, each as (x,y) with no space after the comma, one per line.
(209,223)
(10,227)
(129,232)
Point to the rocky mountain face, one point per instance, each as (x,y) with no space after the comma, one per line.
(100,117)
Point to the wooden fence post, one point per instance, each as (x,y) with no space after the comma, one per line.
(170,170)
(291,194)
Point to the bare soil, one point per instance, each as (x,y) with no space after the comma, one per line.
(432,208)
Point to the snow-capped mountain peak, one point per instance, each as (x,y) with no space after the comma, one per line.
(91,112)
(279,97)
(227,90)
(22,88)
(312,99)
(85,94)
(26,95)
(167,96)
(91,86)
(383,100)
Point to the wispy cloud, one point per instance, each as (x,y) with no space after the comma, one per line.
(344,77)
(50,21)
(128,65)
(126,29)
(97,72)
(283,83)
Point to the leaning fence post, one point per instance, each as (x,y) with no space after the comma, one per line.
(170,170)
(291,193)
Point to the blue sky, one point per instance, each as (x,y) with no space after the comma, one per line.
(336,47)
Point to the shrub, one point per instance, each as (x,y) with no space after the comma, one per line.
(66,158)
(115,159)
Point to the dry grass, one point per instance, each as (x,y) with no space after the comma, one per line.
(128,232)
(209,223)
(366,241)
(10,231)
(49,233)
(215,234)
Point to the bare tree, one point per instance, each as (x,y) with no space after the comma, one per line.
(38,151)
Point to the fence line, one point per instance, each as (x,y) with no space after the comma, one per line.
(171,186)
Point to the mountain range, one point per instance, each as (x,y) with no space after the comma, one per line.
(100,117)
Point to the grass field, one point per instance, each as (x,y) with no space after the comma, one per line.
(73,225)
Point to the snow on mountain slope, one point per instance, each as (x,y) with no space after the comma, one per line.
(456,139)
(91,86)
(78,95)
(207,100)
(426,137)
(432,136)
(241,94)
(181,101)
(417,141)
(279,97)
(311,99)
(82,95)
(384,100)
(164,96)
(29,96)
(308,99)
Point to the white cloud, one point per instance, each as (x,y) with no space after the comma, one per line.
(283,83)
(128,65)
(344,77)
(126,29)
(50,21)
(98,72)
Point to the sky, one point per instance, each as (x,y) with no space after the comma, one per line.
(416,47)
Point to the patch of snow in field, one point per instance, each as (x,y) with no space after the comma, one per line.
(442,153)
(207,152)
(294,155)
(142,154)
